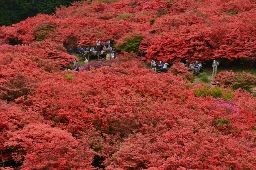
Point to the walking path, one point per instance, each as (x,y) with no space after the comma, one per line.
(198,80)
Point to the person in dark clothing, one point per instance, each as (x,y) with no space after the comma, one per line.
(160,66)
(70,51)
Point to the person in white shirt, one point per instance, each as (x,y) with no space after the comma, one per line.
(98,42)
(165,67)
(112,55)
(214,67)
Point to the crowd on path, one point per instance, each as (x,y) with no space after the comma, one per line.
(159,67)
(195,67)
(100,49)
(108,51)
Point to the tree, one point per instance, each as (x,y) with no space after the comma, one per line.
(16,10)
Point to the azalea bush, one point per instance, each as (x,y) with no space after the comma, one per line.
(43,29)
(126,116)
(237,80)
(182,70)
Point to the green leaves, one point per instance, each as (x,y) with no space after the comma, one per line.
(215,92)
(14,11)
(131,44)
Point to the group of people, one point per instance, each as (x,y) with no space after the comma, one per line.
(159,67)
(104,49)
(196,67)
(99,48)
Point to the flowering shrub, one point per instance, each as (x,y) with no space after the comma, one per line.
(14,88)
(229,106)
(222,125)
(237,80)
(42,143)
(126,116)
(182,70)
(43,29)
(181,29)
(113,114)
(95,64)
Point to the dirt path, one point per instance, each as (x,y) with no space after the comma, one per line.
(197,79)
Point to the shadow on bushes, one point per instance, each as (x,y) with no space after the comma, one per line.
(14,88)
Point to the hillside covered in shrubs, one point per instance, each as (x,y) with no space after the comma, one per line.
(120,114)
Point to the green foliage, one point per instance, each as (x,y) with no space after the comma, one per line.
(131,44)
(13,11)
(215,92)
(161,11)
(231,12)
(222,124)
(60,120)
(43,29)
(244,81)
(66,25)
(69,77)
(237,80)
(203,77)
(124,15)
(152,20)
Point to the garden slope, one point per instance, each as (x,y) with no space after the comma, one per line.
(124,116)
(171,30)
(119,117)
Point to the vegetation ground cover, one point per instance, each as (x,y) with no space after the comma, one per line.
(126,116)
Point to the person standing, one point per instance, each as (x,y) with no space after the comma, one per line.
(214,67)
(98,45)
(165,67)
(153,65)
(107,43)
(98,42)
(160,66)
(86,60)
(76,65)
(112,55)
(108,56)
